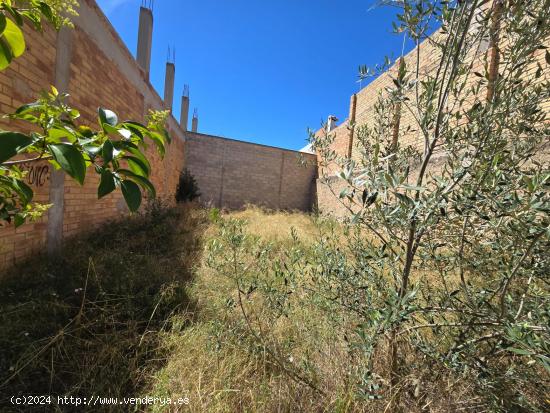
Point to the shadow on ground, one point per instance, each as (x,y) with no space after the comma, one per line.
(86,322)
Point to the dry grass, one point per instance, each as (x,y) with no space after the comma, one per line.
(157,320)
(221,368)
(87,322)
(275,226)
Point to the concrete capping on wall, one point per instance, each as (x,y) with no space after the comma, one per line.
(90,19)
(199,134)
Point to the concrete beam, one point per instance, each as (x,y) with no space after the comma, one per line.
(184,117)
(352,111)
(195,122)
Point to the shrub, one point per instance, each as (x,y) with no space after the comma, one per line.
(187,189)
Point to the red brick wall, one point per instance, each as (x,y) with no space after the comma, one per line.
(21,83)
(100,75)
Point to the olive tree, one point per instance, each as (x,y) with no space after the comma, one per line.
(441,268)
(460,241)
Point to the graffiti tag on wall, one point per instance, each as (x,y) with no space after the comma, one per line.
(37,174)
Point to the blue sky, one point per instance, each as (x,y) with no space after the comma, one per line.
(262,70)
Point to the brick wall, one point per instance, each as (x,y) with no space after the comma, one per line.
(100,72)
(232,173)
(94,66)
(21,83)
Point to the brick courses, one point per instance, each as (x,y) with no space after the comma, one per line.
(232,173)
(362,111)
(96,79)
(103,72)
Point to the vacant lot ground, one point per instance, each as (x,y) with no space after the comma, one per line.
(130,311)
(214,308)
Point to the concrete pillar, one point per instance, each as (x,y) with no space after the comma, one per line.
(396,122)
(169,86)
(184,117)
(281,175)
(352,110)
(494,53)
(222,172)
(195,121)
(54,230)
(145,39)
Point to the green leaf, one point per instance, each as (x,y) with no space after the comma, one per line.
(371,199)
(136,128)
(46,11)
(70,159)
(136,125)
(107,117)
(23,190)
(106,184)
(132,195)
(57,134)
(125,133)
(107,152)
(159,141)
(5,54)
(167,136)
(34,18)
(86,131)
(413,187)
(137,166)
(141,180)
(28,108)
(146,184)
(14,12)
(110,129)
(138,154)
(19,220)
(404,198)
(11,143)
(91,150)
(14,37)
(2,23)
(520,351)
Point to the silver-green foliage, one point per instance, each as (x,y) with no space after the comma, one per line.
(477,217)
(444,258)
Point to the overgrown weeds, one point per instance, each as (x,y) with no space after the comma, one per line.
(217,362)
(276,318)
(288,316)
(87,321)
